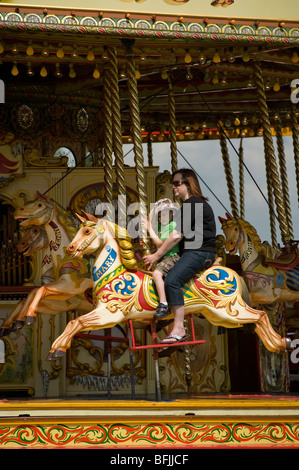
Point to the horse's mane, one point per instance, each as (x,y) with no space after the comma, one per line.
(67,221)
(125,245)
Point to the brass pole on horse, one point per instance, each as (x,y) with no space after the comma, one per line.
(137,140)
(117,136)
(241,179)
(294,126)
(172,127)
(283,173)
(269,150)
(108,145)
(228,173)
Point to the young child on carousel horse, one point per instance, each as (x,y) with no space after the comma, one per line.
(159,226)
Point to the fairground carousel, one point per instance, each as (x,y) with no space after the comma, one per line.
(79,348)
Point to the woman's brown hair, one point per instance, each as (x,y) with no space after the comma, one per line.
(191,180)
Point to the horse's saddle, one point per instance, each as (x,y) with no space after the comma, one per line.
(287,261)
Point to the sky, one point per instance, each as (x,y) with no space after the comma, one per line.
(206,159)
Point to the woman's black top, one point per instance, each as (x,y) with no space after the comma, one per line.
(196,222)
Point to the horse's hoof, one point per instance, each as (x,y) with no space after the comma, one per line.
(18,324)
(4,331)
(30,320)
(288,344)
(50,357)
(58,354)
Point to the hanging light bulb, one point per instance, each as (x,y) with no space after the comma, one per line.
(268,86)
(30,50)
(137,74)
(45,51)
(72,73)
(276,116)
(245,121)
(105,55)
(189,75)
(14,49)
(143,57)
(237,121)
(246,56)
(60,52)
(276,86)
(96,72)
(74,52)
(1,47)
(58,72)
(164,74)
(224,79)
(90,56)
(204,125)
(231,56)
(14,70)
(122,73)
(295,57)
(216,57)
(43,71)
(215,78)
(202,58)
(188,57)
(250,84)
(30,72)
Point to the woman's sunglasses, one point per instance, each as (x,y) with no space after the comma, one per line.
(178,183)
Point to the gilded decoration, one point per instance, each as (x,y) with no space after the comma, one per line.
(134,27)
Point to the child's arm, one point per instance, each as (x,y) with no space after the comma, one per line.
(153,236)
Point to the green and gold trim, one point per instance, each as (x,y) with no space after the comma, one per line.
(201,423)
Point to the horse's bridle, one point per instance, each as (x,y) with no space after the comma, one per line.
(99,230)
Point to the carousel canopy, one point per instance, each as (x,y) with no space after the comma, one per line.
(58,55)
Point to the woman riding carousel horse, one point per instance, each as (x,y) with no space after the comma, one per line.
(195,234)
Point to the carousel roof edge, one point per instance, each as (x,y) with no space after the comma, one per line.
(141,25)
(159,15)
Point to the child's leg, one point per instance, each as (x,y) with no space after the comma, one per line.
(159,282)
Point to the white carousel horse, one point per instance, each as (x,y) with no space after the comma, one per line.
(269,280)
(50,228)
(122,293)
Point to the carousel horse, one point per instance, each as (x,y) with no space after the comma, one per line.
(269,279)
(48,227)
(122,293)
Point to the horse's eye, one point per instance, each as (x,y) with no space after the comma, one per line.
(87,231)
(40,204)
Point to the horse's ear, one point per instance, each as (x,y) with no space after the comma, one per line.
(90,217)
(228,216)
(82,220)
(40,195)
(221,220)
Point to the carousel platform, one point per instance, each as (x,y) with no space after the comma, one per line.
(183,422)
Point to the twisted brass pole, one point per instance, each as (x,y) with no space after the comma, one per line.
(228,173)
(117,135)
(108,146)
(294,125)
(149,150)
(172,127)
(283,173)
(270,201)
(137,140)
(241,180)
(269,150)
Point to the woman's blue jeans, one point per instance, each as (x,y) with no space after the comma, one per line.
(190,263)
